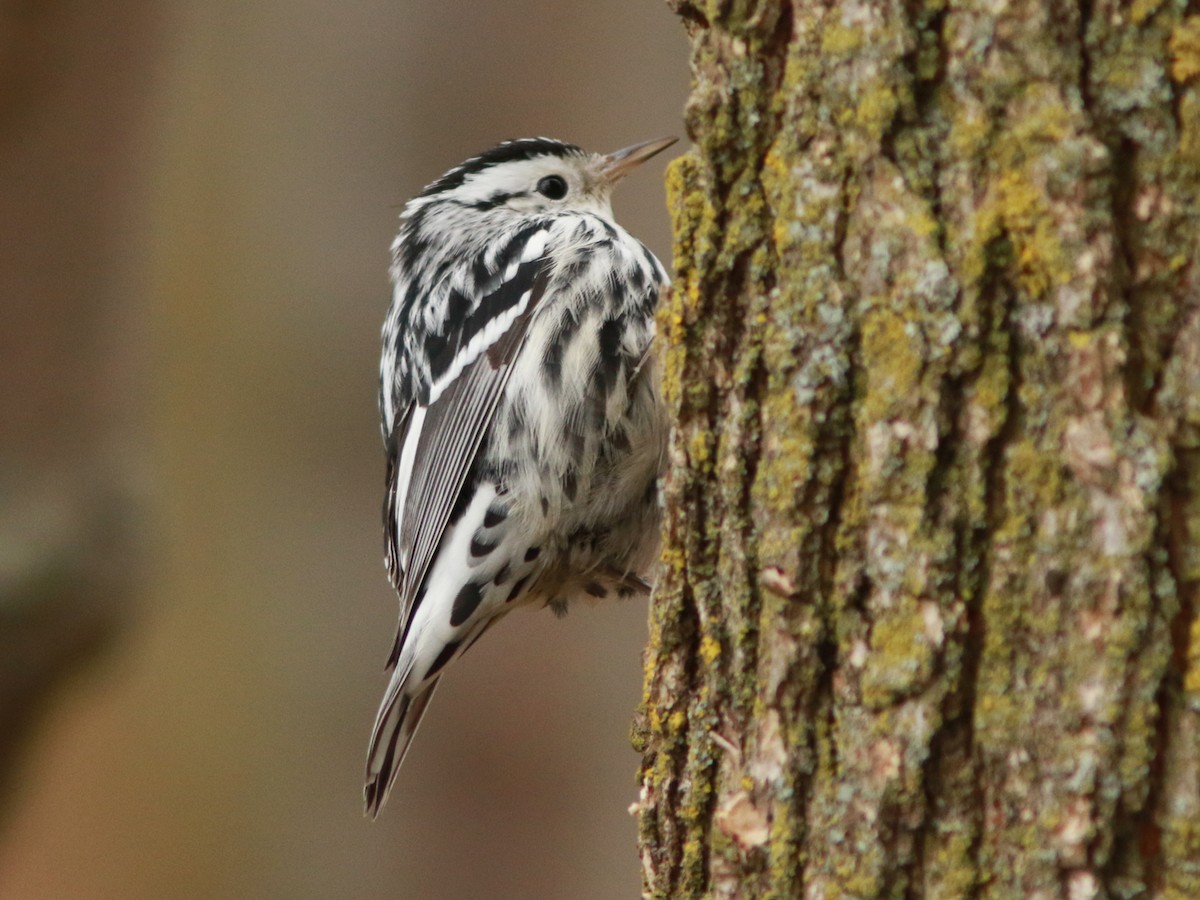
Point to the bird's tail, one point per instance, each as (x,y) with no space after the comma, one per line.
(399,715)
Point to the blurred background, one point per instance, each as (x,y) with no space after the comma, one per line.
(196,203)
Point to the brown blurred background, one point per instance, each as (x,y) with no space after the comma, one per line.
(196,202)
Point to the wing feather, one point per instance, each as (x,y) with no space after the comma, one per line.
(436,443)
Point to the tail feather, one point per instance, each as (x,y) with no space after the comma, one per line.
(395,725)
(416,669)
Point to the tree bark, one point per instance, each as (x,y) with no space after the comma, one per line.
(927,618)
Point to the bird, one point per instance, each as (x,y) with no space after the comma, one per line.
(521,410)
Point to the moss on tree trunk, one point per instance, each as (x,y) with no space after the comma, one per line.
(927,620)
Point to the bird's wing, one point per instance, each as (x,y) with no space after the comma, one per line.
(437,438)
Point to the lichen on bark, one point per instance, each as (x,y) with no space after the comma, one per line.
(926,623)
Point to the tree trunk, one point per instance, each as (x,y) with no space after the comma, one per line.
(927,620)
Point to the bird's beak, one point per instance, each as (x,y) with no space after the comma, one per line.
(617,165)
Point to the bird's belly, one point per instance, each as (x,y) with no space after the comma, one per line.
(577,462)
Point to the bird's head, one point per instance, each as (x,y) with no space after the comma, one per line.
(537,176)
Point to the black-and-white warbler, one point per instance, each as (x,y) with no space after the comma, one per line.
(521,410)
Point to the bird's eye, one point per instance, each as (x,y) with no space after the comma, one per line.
(553,187)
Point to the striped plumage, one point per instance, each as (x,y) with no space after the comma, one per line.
(520,406)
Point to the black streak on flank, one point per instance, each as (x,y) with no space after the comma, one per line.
(567,329)
(596,589)
(569,484)
(552,362)
(598,410)
(465,603)
(517,589)
(442,658)
(651,263)
(637,279)
(481,546)
(610,354)
(532,553)
(494,516)
(502,575)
